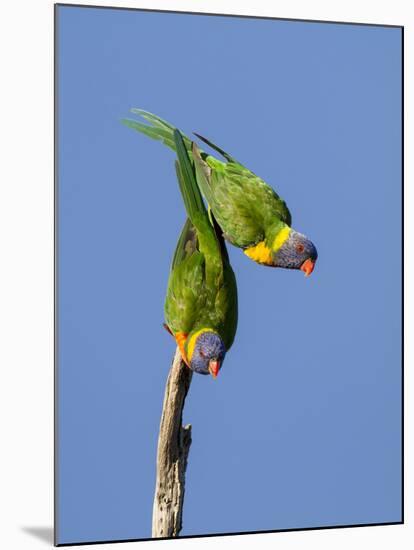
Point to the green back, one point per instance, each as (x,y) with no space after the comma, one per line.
(244,205)
(246,208)
(202,289)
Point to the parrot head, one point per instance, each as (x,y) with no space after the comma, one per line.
(297,252)
(205,352)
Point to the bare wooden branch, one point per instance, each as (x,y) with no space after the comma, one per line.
(173,446)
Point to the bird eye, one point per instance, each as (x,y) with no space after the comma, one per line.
(300,248)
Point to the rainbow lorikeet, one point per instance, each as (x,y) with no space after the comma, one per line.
(249,212)
(201,302)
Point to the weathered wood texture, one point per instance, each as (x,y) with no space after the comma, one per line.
(173,446)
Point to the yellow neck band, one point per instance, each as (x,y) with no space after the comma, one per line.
(192,341)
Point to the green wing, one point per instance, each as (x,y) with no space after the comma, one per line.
(185,292)
(188,304)
(216,297)
(209,245)
(226,302)
(243,204)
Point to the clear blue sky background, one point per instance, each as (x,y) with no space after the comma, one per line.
(302,427)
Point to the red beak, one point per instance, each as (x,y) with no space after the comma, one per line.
(307,267)
(214,367)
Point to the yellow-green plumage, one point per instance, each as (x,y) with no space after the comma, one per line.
(202,293)
(250,213)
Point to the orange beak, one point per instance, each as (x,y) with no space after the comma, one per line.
(214,367)
(307,267)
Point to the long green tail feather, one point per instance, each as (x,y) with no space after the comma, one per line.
(208,242)
(154,119)
(202,174)
(160,130)
(158,134)
(216,148)
(193,201)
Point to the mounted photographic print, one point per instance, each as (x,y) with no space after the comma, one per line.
(228,274)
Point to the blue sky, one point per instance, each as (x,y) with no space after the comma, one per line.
(302,427)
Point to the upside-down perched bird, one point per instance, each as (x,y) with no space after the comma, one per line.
(201,302)
(249,212)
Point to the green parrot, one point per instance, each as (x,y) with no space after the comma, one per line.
(249,212)
(201,301)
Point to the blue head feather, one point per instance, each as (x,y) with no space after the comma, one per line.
(294,251)
(208,347)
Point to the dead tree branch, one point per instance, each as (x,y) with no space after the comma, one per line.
(173,446)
